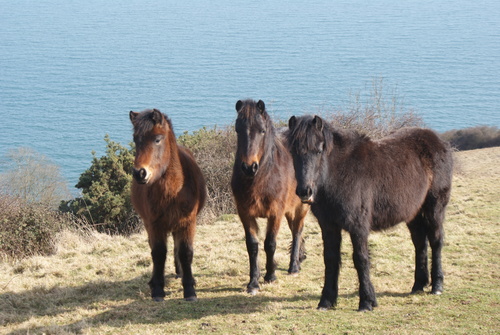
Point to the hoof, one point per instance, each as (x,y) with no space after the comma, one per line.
(158,299)
(293,274)
(367,306)
(252,291)
(325,305)
(270,279)
(190,299)
(365,309)
(437,288)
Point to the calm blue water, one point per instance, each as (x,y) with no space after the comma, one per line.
(70,71)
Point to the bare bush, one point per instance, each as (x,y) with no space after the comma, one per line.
(32,177)
(214,151)
(377,115)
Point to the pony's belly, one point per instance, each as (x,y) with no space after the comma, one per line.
(394,215)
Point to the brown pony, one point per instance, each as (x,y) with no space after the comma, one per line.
(263,185)
(168,191)
(357,184)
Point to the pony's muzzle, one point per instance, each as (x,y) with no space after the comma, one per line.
(250,170)
(305,194)
(140,175)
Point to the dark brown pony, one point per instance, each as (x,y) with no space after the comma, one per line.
(168,191)
(359,185)
(263,185)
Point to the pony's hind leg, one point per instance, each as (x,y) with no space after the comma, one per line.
(177,263)
(418,230)
(297,249)
(435,235)
(184,244)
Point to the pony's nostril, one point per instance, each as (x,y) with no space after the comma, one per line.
(250,170)
(304,193)
(140,175)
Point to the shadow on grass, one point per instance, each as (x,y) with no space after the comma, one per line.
(120,303)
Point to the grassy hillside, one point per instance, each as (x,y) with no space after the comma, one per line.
(97,284)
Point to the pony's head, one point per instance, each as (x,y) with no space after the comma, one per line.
(255,130)
(308,141)
(153,136)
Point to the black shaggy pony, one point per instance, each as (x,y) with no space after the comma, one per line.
(359,185)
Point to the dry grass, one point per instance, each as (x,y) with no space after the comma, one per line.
(97,284)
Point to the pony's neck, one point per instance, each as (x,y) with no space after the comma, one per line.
(173,176)
(272,147)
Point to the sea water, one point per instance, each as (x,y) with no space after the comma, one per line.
(70,71)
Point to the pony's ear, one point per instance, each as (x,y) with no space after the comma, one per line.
(292,122)
(239,104)
(261,106)
(133,115)
(156,116)
(318,122)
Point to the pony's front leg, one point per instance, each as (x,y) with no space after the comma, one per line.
(252,242)
(184,245)
(273,226)
(159,255)
(332,240)
(367,299)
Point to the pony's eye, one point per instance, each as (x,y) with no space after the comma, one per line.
(158,140)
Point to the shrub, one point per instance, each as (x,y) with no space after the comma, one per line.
(28,228)
(214,152)
(473,138)
(105,200)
